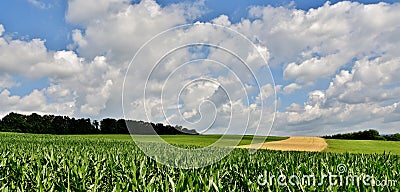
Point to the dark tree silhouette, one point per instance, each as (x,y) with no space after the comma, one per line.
(50,124)
(365,135)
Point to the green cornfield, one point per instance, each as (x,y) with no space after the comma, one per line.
(65,163)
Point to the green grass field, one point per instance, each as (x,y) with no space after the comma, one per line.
(363,146)
(197,140)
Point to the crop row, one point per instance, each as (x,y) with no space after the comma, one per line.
(63,163)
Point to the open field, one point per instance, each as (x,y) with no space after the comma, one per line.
(198,140)
(292,144)
(73,163)
(363,146)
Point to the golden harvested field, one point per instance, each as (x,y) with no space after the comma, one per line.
(292,144)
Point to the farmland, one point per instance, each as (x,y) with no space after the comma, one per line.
(363,146)
(77,163)
(197,140)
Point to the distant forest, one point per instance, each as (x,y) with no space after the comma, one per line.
(365,135)
(52,124)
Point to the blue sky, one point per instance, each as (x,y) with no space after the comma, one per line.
(26,20)
(304,62)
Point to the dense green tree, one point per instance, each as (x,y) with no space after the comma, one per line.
(363,135)
(15,122)
(121,127)
(37,124)
(51,124)
(108,126)
(395,137)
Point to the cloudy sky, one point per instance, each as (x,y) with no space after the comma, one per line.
(324,67)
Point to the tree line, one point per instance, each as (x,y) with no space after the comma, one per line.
(53,124)
(365,135)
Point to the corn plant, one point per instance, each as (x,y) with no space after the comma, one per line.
(66,163)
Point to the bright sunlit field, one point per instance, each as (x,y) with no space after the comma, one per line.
(363,146)
(115,163)
(197,140)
